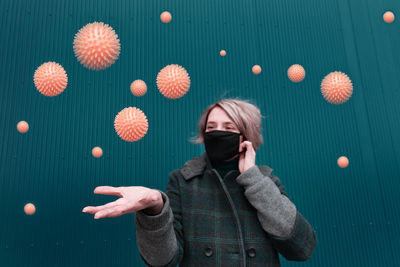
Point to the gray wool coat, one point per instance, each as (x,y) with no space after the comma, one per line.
(242,219)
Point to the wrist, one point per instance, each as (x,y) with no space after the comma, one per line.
(157,207)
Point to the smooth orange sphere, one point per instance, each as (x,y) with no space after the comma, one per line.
(343,162)
(22,126)
(138,88)
(388,17)
(166,17)
(29,209)
(222,53)
(131,124)
(97,152)
(296,73)
(336,87)
(256,69)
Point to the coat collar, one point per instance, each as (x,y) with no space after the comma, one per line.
(198,165)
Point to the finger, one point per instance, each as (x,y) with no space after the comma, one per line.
(243,144)
(246,147)
(87,209)
(247,143)
(93,210)
(112,212)
(249,146)
(108,190)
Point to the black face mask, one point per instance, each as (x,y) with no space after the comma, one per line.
(221,145)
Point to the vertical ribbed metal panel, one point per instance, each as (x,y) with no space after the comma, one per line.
(353,210)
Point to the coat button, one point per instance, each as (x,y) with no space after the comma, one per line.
(251,252)
(208,252)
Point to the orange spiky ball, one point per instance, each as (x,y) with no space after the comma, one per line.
(22,126)
(336,87)
(343,162)
(138,88)
(388,17)
(97,46)
(131,124)
(256,69)
(29,209)
(173,81)
(166,17)
(296,73)
(50,79)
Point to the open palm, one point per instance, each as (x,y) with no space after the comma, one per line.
(132,199)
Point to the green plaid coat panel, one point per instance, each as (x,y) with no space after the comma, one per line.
(215,224)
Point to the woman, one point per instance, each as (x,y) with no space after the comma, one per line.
(219,209)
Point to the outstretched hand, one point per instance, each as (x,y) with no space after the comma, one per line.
(132,199)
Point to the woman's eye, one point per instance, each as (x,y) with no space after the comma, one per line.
(228,128)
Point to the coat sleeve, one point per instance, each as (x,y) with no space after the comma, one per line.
(289,231)
(160,237)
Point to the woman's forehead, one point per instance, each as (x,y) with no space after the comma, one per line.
(218,114)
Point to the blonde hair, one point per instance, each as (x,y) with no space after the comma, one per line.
(244,114)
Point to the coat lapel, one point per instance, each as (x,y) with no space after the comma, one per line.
(194,167)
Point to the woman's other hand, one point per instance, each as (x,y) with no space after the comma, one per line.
(247,158)
(132,199)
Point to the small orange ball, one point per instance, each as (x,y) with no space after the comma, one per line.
(29,209)
(97,152)
(166,17)
(138,88)
(343,162)
(296,73)
(22,126)
(256,69)
(388,17)
(222,53)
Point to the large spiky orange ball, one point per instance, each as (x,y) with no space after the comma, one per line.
(50,79)
(296,73)
(131,124)
(173,81)
(336,87)
(96,46)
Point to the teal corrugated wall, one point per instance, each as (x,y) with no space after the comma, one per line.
(354,210)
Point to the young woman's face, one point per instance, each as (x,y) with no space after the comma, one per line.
(219,120)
